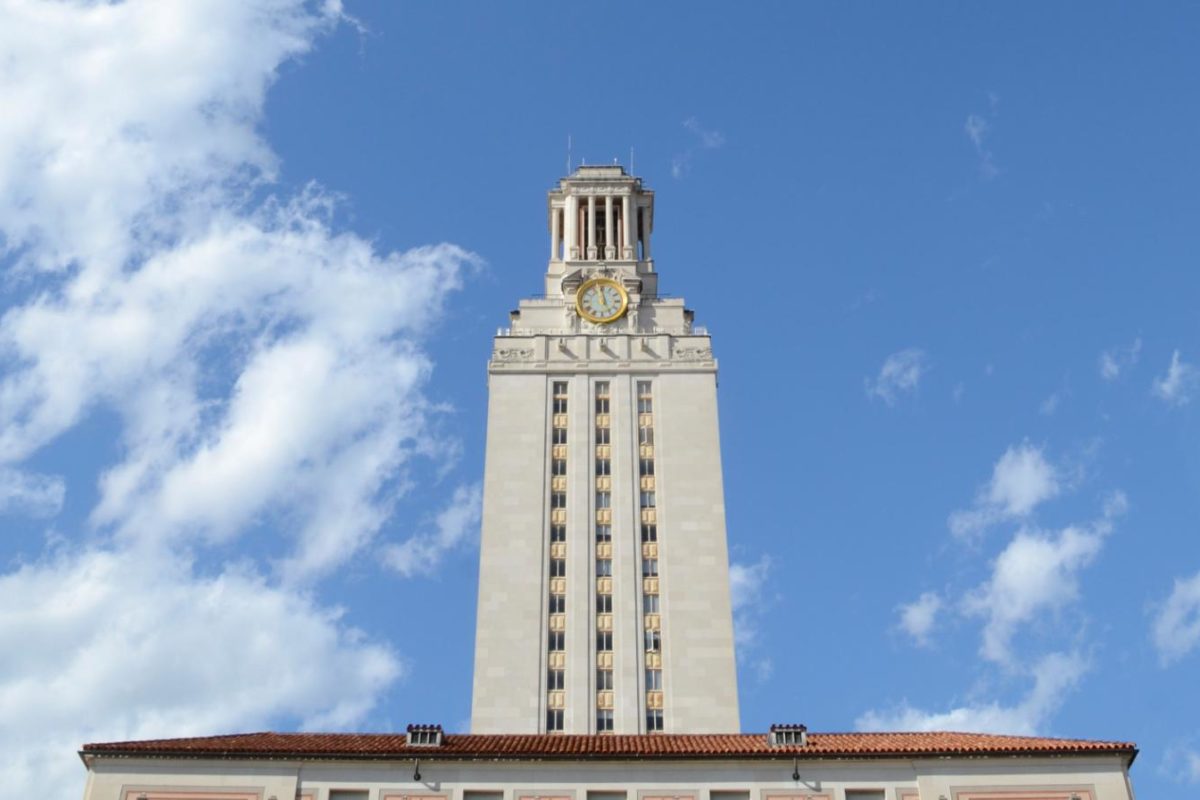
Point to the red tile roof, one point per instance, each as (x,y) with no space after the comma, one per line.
(660,746)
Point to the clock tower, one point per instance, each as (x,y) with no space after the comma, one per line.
(604,576)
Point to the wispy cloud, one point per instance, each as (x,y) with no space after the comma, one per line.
(455,524)
(1176,628)
(1021,479)
(701,139)
(1179,384)
(1054,676)
(918,618)
(30,494)
(978,128)
(1114,361)
(900,374)
(1181,763)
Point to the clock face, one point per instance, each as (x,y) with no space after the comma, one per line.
(601,300)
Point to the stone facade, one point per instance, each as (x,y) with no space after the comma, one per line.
(653,343)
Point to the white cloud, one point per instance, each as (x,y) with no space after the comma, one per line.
(1036,572)
(1176,629)
(1115,361)
(422,553)
(1182,763)
(135,644)
(1053,677)
(1051,403)
(703,139)
(747,594)
(918,618)
(1021,479)
(1180,382)
(30,494)
(978,128)
(900,374)
(265,370)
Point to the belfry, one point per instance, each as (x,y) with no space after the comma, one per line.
(604,579)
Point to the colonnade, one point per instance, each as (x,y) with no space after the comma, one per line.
(573,229)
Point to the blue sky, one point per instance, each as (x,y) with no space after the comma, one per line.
(254,254)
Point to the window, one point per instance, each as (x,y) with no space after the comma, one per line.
(654,680)
(558,603)
(604,720)
(604,641)
(604,680)
(649,533)
(558,466)
(560,388)
(645,466)
(643,388)
(645,405)
(654,719)
(653,641)
(604,604)
(650,568)
(560,405)
(554,679)
(557,641)
(864,794)
(601,405)
(558,533)
(558,499)
(554,720)
(560,436)
(647,499)
(649,604)
(603,500)
(558,568)
(604,533)
(602,436)
(603,567)
(603,466)
(645,436)
(343,794)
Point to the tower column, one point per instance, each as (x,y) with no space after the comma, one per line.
(630,226)
(646,233)
(570,218)
(591,226)
(610,251)
(555,232)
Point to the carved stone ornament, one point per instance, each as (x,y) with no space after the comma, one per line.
(693,354)
(514,354)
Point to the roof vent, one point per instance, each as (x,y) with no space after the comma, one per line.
(425,735)
(782,735)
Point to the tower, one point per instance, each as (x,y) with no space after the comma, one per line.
(604,576)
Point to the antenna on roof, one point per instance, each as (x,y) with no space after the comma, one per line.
(568,154)
(630,159)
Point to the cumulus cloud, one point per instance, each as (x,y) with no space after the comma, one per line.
(422,553)
(265,372)
(900,374)
(1054,676)
(1115,361)
(918,618)
(1021,480)
(702,139)
(30,494)
(108,645)
(1176,628)
(1179,384)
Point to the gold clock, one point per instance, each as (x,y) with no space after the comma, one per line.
(601,300)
